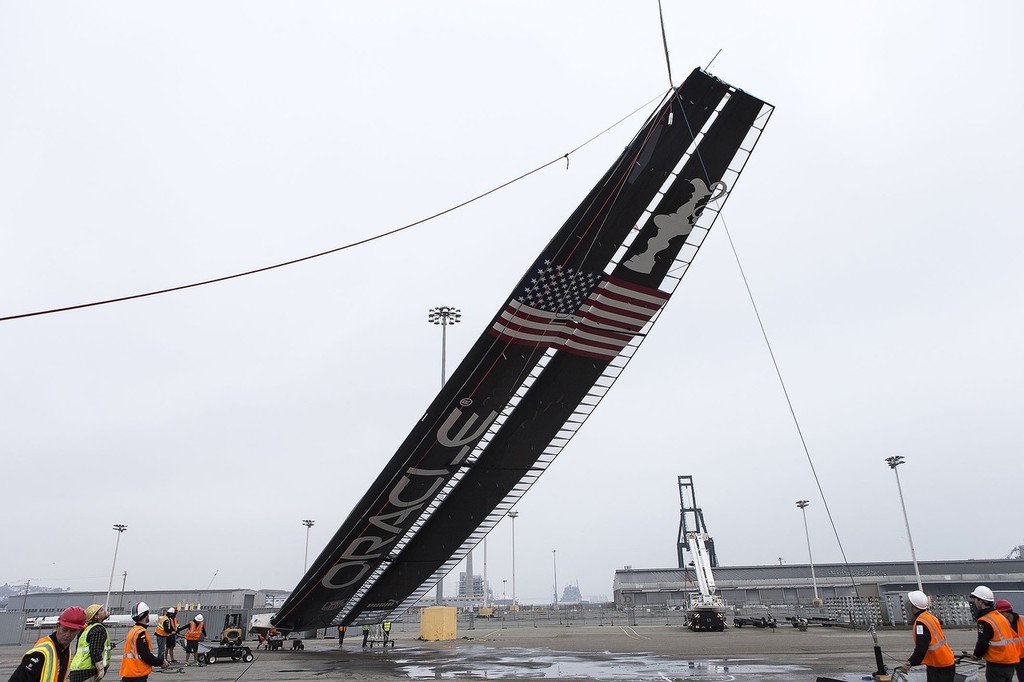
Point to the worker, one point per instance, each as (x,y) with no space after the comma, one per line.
(930,646)
(92,657)
(47,661)
(194,631)
(1017,625)
(166,626)
(386,628)
(138,659)
(341,635)
(366,634)
(997,643)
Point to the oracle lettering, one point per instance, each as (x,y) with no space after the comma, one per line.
(365,552)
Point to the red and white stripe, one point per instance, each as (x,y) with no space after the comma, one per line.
(608,319)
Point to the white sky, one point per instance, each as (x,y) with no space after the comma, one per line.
(146,145)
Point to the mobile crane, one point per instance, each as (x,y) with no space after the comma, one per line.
(706,608)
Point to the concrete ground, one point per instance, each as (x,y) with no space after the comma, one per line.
(558,652)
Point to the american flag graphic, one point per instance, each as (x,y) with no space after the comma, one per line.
(578,312)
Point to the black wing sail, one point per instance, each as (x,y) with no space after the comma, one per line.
(544,362)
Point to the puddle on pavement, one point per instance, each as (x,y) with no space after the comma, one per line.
(511,664)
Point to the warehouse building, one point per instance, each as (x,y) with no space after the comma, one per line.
(865,592)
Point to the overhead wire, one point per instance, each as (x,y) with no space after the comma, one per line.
(361,242)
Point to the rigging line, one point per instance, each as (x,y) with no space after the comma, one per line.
(713,59)
(664,42)
(294,261)
(789,402)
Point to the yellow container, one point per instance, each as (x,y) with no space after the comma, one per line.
(437,624)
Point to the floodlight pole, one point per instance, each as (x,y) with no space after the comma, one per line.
(512,515)
(308,523)
(814,581)
(120,528)
(445,315)
(554,571)
(894,462)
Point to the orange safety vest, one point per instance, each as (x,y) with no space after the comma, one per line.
(1020,635)
(194,631)
(939,655)
(132,664)
(51,660)
(1003,646)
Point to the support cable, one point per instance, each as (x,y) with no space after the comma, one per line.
(361,242)
(778,371)
(789,402)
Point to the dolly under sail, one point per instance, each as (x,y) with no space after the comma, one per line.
(542,365)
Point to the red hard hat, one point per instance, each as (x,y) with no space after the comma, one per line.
(73,617)
(1003,605)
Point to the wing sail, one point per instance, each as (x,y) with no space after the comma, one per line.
(548,357)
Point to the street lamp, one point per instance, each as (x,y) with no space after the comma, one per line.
(814,581)
(308,523)
(120,528)
(894,462)
(445,315)
(512,515)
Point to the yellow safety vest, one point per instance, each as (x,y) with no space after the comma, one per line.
(51,660)
(82,659)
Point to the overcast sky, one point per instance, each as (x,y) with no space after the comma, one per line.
(147,145)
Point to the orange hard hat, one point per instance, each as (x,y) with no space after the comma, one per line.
(73,617)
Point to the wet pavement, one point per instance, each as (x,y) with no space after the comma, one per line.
(662,653)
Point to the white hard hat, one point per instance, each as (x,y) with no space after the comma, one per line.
(983,593)
(199,618)
(140,610)
(919,599)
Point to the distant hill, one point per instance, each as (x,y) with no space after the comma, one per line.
(9,593)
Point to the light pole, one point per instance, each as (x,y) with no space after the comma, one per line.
(554,572)
(894,462)
(308,523)
(120,528)
(445,315)
(512,515)
(814,581)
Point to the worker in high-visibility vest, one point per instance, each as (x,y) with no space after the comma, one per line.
(92,657)
(194,631)
(166,626)
(997,642)
(386,629)
(47,661)
(138,659)
(341,635)
(1017,625)
(366,634)
(930,646)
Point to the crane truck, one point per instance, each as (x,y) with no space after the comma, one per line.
(706,608)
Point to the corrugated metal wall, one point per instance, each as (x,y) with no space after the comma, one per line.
(12,624)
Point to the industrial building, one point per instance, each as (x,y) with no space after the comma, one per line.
(874,591)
